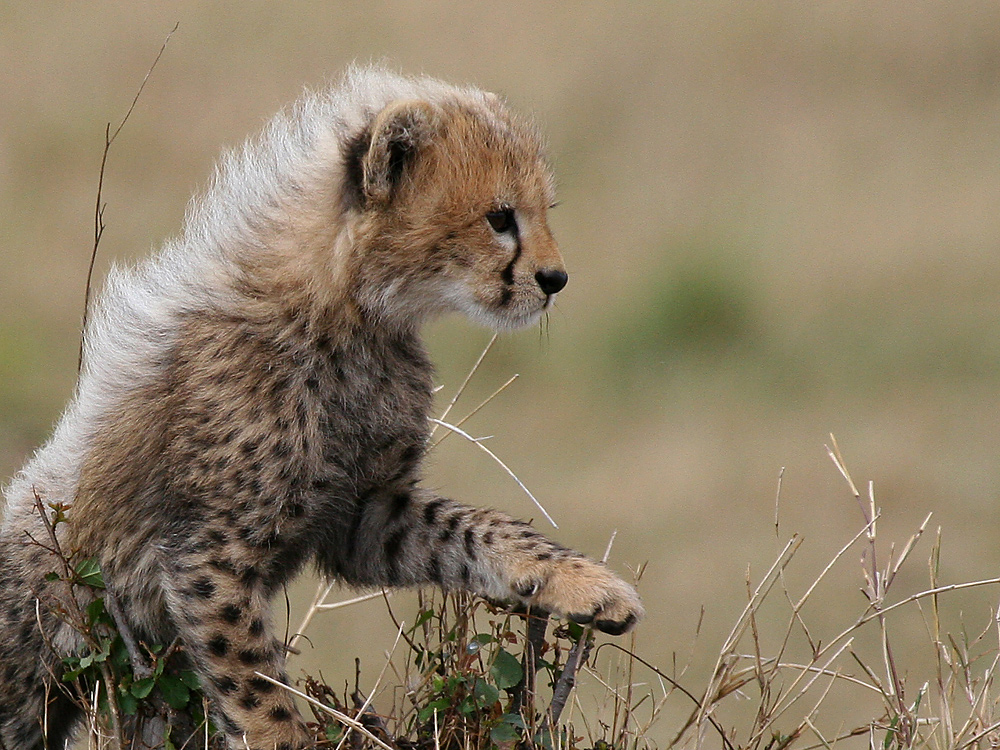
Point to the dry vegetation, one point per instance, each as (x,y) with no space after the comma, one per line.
(464,675)
(780,221)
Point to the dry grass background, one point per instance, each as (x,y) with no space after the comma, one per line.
(781,220)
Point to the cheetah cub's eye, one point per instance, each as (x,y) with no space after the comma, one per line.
(502,220)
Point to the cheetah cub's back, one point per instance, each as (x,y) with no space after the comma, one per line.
(255,398)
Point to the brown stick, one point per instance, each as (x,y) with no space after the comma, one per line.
(109,138)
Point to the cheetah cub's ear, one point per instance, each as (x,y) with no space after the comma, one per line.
(398,134)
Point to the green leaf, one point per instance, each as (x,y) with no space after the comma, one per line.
(119,656)
(506,670)
(890,733)
(190,679)
(174,692)
(422,618)
(333,732)
(71,674)
(142,688)
(514,719)
(89,573)
(543,737)
(503,732)
(127,703)
(484,693)
(95,611)
(427,712)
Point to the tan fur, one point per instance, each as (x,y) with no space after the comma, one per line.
(256,398)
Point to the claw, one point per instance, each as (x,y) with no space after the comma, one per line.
(528,589)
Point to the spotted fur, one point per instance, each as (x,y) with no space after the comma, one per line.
(255,398)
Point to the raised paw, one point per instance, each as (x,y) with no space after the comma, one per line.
(586,592)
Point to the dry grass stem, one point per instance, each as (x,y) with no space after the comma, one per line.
(485,402)
(465,383)
(109,138)
(338,715)
(479,443)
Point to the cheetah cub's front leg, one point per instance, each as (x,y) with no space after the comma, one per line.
(418,538)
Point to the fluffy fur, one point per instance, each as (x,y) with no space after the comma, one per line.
(255,398)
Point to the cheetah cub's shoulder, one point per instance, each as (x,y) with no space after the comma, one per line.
(255,398)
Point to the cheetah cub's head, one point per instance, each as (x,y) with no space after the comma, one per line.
(451,198)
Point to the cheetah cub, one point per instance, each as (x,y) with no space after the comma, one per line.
(255,398)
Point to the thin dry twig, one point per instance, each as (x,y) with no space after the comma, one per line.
(472,372)
(479,442)
(338,715)
(475,411)
(109,138)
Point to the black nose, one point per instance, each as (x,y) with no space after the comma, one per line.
(551,280)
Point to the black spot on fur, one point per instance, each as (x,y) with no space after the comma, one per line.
(225,685)
(204,587)
(260,685)
(250,446)
(470,543)
(431,511)
(252,656)
(410,455)
(218,645)
(224,565)
(231,614)
(393,548)
(256,627)
(249,576)
(280,713)
(278,388)
(399,503)
(450,528)
(249,701)
(230,727)
(323,484)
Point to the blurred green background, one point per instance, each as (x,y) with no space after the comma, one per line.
(780,220)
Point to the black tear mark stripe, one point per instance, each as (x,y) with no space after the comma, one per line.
(508,273)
